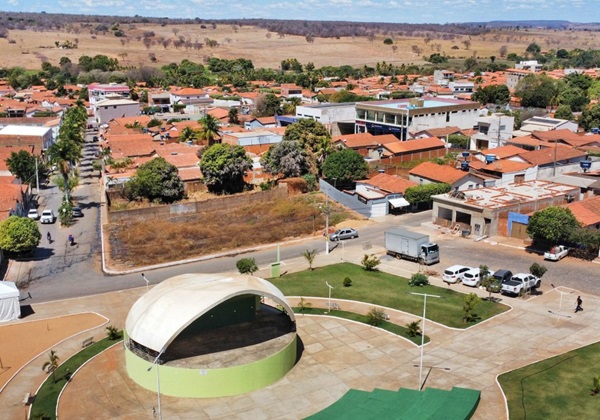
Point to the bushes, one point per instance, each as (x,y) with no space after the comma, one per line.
(418,279)
(376,316)
(370,262)
(347,282)
(246,266)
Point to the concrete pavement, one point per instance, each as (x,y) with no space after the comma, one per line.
(338,355)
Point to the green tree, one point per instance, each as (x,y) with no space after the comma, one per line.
(188,134)
(376,316)
(471,301)
(157,181)
(112,333)
(564,112)
(418,280)
(313,137)
(19,234)
(223,167)
(536,91)
(388,41)
(233,116)
(267,105)
(590,117)
(470,63)
(287,158)
(210,128)
(370,262)
(421,194)
(553,224)
(459,140)
(67,149)
(310,255)
(22,165)
(533,48)
(247,266)
(51,364)
(537,270)
(346,165)
(414,328)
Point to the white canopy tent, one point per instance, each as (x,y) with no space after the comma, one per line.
(9,301)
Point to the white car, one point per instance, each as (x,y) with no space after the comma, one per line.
(472,277)
(47,216)
(33,214)
(454,273)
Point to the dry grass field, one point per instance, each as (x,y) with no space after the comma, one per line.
(133,244)
(30,48)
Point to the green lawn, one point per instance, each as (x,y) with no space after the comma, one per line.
(386,325)
(44,404)
(386,290)
(557,388)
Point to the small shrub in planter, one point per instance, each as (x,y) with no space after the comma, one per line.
(370,262)
(418,279)
(347,282)
(413,328)
(376,317)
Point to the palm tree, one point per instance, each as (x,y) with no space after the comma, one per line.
(52,364)
(310,257)
(62,154)
(188,134)
(210,128)
(323,148)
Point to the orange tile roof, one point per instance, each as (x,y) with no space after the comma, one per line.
(5,153)
(361,140)
(528,141)
(131,148)
(505,151)
(440,132)
(219,113)
(142,119)
(587,212)
(189,92)
(506,166)
(9,194)
(438,173)
(190,174)
(390,183)
(554,135)
(550,154)
(182,160)
(137,136)
(414,145)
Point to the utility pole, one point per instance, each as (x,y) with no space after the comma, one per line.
(423,335)
(37,177)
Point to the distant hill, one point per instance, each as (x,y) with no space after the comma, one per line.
(541,24)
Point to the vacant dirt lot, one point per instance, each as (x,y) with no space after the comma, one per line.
(30,48)
(188,236)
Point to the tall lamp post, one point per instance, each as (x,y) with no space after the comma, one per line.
(147,282)
(425,295)
(157,381)
(329,300)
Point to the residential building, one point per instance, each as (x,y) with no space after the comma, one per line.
(14,200)
(366,144)
(587,212)
(492,131)
(40,138)
(99,92)
(500,211)
(254,141)
(408,151)
(337,117)
(531,65)
(430,173)
(262,122)
(111,108)
(514,76)
(291,91)
(544,124)
(399,117)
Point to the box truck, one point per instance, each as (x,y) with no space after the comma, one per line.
(402,243)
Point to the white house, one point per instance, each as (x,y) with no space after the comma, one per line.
(109,109)
(492,131)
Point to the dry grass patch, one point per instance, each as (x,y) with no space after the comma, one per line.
(140,243)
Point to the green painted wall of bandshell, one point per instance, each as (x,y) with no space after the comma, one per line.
(210,383)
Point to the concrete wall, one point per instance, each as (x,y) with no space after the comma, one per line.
(347,200)
(212,383)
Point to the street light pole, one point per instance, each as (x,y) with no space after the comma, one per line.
(329,300)
(326,224)
(147,282)
(157,381)
(423,334)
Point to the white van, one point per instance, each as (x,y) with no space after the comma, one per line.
(472,277)
(454,273)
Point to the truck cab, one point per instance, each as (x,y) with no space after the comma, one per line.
(430,253)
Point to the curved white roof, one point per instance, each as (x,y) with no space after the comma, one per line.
(160,315)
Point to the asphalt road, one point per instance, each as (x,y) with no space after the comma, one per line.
(62,271)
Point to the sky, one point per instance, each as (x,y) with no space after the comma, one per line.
(403,11)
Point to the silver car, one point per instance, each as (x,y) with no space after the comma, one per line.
(346,233)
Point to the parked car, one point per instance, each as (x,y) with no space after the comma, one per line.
(472,277)
(346,233)
(47,216)
(519,283)
(77,212)
(454,273)
(33,214)
(556,253)
(502,275)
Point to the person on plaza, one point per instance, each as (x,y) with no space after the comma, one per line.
(49,237)
(579,302)
(71,239)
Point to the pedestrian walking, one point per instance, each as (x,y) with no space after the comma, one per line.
(579,302)
(71,239)
(49,237)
